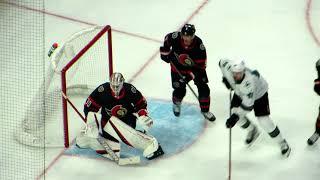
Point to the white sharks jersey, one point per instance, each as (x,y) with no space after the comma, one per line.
(252,87)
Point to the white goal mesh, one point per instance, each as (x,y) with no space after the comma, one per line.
(76,67)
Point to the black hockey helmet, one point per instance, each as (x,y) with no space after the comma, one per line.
(188,30)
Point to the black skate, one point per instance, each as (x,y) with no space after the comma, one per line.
(209,116)
(285,148)
(252,135)
(157,153)
(313,138)
(176,109)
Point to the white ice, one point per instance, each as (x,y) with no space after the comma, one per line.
(273,37)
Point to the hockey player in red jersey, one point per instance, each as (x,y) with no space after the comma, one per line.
(187,57)
(316,134)
(121,106)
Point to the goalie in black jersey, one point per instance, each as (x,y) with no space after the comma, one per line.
(121,106)
(187,57)
(316,134)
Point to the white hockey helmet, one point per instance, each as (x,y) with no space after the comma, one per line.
(116,83)
(238,66)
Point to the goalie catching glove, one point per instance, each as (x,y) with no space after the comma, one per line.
(144,120)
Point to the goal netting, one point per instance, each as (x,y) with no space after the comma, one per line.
(75,68)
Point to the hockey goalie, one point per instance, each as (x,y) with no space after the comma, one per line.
(122,107)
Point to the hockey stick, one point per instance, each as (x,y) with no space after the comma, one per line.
(103,141)
(182,77)
(230,137)
(193,92)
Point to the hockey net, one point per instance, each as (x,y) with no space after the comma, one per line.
(76,67)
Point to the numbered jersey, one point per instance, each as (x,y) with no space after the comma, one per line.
(196,51)
(252,87)
(129,101)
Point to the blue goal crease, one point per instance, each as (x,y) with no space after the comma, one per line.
(173,133)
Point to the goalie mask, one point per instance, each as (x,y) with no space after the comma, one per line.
(116,83)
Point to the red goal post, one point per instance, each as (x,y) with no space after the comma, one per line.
(67,67)
(76,68)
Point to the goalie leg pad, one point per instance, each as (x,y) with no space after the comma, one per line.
(88,136)
(84,141)
(153,150)
(122,132)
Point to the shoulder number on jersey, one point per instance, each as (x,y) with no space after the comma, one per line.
(202,47)
(174,35)
(100,89)
(133,89)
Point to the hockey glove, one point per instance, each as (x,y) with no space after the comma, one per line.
(226,83)
(165,54)
(185,60)
(188,77)
(316,87)
(232,120)
(144,120)
(236,101)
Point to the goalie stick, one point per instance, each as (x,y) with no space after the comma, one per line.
(103,141)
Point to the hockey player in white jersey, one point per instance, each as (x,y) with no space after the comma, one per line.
(250,93)
(316,134)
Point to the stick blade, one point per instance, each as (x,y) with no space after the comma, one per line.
(130,160)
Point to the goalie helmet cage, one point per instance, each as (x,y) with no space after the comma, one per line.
(74,74)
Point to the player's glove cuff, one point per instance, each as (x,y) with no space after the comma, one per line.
(142,112)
